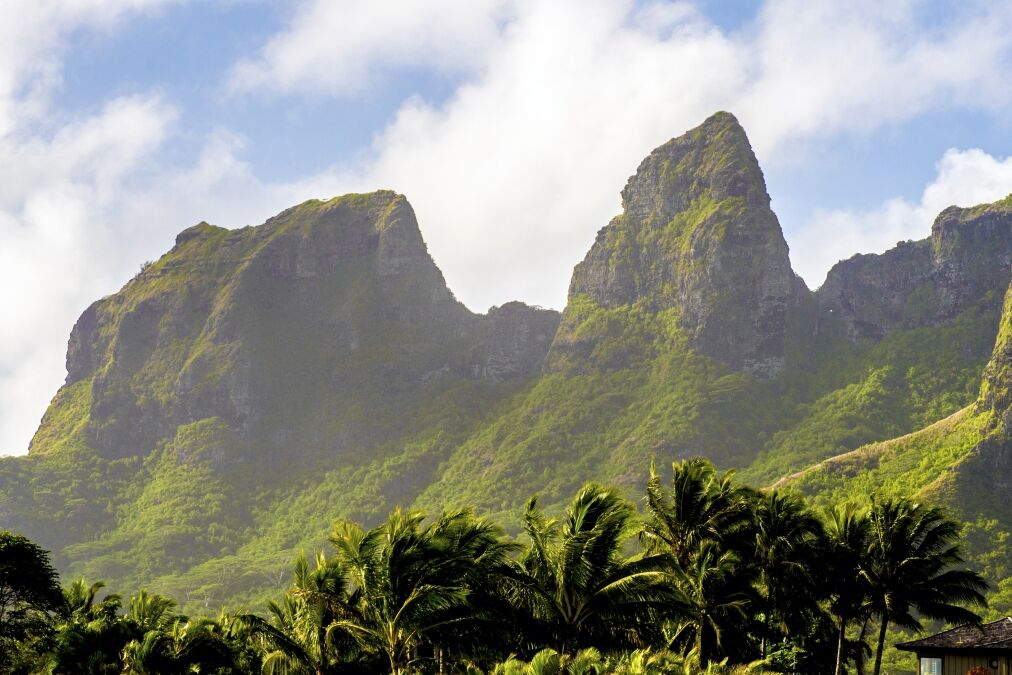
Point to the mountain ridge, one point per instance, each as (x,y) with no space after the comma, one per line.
(699,196)
(253,385)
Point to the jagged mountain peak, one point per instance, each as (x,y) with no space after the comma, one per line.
(201,230)
(253,384)
(697,237)
(279,330)
(965,262)
(713,160)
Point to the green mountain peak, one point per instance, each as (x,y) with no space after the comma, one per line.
(698,242)
(252,385)
(282,330)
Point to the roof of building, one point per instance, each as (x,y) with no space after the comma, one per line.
(996,635)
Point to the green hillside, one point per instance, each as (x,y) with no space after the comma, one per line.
(252,386)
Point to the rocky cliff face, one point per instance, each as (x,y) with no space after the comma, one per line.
(514,339)
(280,330)
(989,468)
(996,391)
(697,236)
(977,484)
(964,262)
(251,385)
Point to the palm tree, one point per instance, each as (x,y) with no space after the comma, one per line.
(151,612)
(575,585)
(303,635)
(89,634)
(912,567)
(715,594)
(186,647)
(551,662)
(701,506)
(846,547)
(786,534)
(414,583)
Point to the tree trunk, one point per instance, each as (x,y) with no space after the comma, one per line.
(860,651)
(702,646)
(881,645)
(767,623)
(840,640)
(766,633)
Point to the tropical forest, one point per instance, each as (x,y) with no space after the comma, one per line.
(374,338)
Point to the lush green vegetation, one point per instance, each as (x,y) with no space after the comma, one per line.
(486,446)
(147,471)
(713,577)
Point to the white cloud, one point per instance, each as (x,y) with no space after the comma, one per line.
(59,203)
(515,172)
(32,34)
(964,178)
(338,46)
(60,185)
(819,68)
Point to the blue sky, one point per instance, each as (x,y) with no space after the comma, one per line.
(186,52)
(511,126)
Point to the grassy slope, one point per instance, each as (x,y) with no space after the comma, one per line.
(181,521)
(174,513)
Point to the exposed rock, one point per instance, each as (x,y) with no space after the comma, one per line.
(277,330)
(251,376)
(697,235)
(966,261)
(515,341)
(981,480)
(996,390)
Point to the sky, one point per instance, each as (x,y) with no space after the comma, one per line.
(510,125)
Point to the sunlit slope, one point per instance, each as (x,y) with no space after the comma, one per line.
(253,385)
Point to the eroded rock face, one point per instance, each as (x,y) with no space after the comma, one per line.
(967,260)
(290,332)
(996,390)
(697,235)
(515,340)
(987,470)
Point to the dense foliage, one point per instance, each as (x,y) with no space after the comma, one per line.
(714,577)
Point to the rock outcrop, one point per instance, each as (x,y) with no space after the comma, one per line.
(514,340)
(980,481)
(697,236)
(964,262)
(252,385)
(278,330)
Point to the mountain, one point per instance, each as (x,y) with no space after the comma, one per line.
(962,461)
(249,387)
(281,331)
(965,261)
(696,239)
(244,361)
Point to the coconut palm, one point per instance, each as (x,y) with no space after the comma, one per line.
(151,611)
(914,569)
(575,585)
(844,552)
(786,537)
(701,506)
(89,634)
(415,583)
(186,647)
(715,595)
(303,635)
